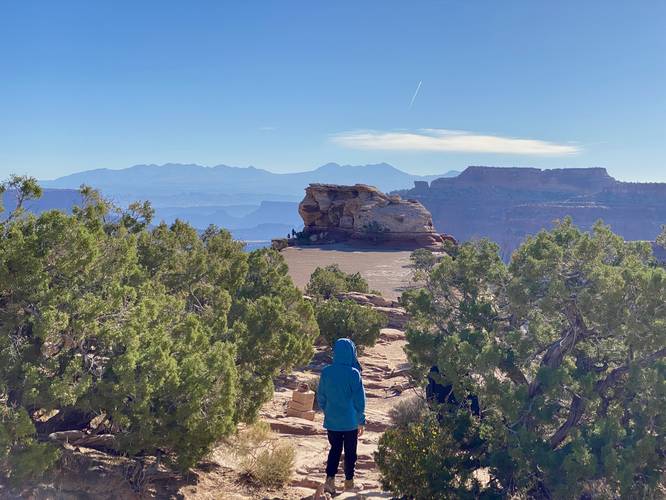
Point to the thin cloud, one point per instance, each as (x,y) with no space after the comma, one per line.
(442,140)
(416,92)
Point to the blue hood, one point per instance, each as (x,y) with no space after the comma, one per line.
(344,353)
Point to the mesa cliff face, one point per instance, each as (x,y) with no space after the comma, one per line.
(334,212)
(507,204)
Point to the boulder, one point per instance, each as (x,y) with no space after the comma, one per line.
(396,315)
(295,426)
(333,212)
(368,299)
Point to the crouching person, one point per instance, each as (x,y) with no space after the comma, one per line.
(341,397)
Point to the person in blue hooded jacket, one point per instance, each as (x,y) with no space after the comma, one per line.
(341,397)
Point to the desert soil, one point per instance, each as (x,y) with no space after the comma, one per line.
(387,271)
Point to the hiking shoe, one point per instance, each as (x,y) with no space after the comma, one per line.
(349,485)
(329,485)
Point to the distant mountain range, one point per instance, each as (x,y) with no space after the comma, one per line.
(254,204)
(195,185)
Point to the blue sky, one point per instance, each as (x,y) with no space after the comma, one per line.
(290,85)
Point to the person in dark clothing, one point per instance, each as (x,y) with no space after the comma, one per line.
(439,393)
(341,397)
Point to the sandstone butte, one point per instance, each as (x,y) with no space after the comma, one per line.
(335,213)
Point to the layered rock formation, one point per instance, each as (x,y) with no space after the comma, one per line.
(507,204)
(333,212)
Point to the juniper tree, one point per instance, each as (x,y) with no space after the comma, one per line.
(326,282)
(565,348)
(168,336)
(346,319)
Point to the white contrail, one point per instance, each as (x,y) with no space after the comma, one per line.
(418,87)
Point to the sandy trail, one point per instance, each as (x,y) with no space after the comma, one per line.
(385,385)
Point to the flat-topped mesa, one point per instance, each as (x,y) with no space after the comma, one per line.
(333,213)
(565,180)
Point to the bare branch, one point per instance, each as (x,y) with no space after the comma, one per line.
(603,385)
(576,411)
(557,350)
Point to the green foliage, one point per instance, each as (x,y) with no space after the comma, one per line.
(346,319)
(425,461)
(175,336)
(21,456)
(23,188)
(661,239)
(329,281)
(565,348)
(313,385)
(423,260)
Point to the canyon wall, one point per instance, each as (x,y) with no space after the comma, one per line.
(507,204)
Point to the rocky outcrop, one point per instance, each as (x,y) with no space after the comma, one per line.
(396,315)
(558,180)
(280,243)
(333,213)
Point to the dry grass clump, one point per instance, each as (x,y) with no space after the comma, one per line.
(408,411)
(263,458)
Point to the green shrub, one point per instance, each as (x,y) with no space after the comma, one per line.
(565,348)
(174,336)
(327,282)
(21,456)
(344,318)
(425,461)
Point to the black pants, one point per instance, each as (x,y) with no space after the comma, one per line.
(338,440)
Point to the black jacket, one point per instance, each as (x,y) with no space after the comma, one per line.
(437,393)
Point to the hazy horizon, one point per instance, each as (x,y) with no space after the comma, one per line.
(398,167)
(188,164)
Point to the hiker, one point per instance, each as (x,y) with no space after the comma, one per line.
(438,393)
(341,397)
